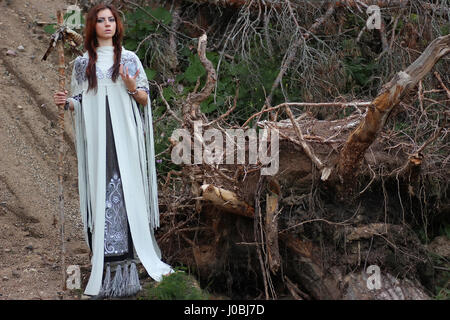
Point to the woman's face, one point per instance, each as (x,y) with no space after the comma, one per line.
(106,25)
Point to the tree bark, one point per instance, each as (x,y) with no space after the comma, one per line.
(193,101)
(271,226)
(61,73)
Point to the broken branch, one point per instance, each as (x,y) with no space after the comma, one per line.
(226,200)
(392,93)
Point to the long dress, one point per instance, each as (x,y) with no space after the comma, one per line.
(116,175)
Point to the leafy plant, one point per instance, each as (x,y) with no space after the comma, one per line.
(194,70)
(443,294)
(176,286)
(359,71)
(50,28)
(141,23)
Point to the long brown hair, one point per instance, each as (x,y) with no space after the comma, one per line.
(91,43)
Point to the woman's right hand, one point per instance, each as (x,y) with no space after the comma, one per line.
(60,97)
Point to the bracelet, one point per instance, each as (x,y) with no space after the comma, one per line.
(132,93)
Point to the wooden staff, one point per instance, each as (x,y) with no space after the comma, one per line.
(62,80)
(62,35)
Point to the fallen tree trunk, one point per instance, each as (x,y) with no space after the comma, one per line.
(293,244)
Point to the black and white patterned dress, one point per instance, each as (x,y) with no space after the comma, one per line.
(118,242)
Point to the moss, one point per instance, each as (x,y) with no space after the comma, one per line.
(176,286)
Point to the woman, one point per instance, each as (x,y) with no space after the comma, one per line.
(116,169)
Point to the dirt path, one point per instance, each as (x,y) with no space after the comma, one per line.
(29,243)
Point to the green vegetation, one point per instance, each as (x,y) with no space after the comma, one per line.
(176,286)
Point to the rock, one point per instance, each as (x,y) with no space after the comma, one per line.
(19,107)
(5,278)
(440,246)
(29,247)
(11,53)
(356,286)
(80,250)
(21,48)
(7,250)
(15,274)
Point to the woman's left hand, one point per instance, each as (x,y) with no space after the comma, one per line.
(130,82)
